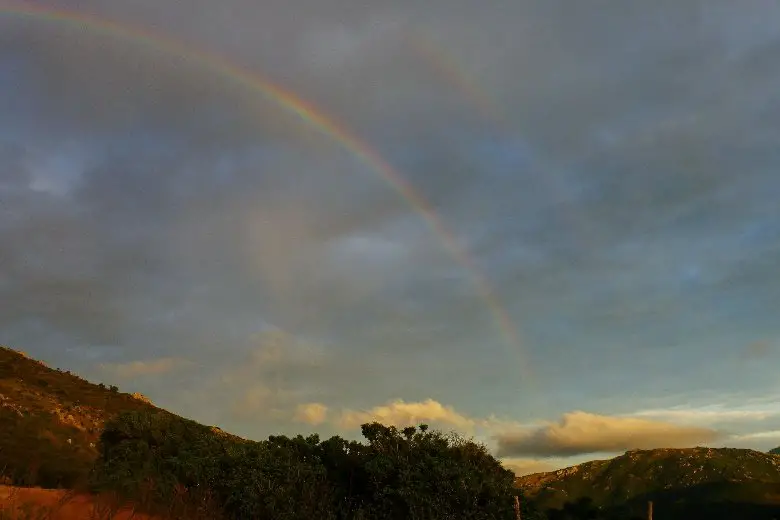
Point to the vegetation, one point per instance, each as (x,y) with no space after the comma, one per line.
(59,430)
(412,474)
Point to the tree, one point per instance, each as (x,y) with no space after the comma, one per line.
(427,474)
(775,451)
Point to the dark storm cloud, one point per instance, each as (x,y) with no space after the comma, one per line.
(621,198)
(46,258)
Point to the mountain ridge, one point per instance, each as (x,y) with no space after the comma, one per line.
(671,477)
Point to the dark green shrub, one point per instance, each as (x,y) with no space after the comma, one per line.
(140,448)
(412,474)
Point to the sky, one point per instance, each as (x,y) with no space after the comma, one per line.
(552,226)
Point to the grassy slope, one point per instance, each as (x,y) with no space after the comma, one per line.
(40,410)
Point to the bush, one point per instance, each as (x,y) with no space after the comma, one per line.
(281,479)
(411,474)
(140,448)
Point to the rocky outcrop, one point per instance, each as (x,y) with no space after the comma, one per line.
(141,397)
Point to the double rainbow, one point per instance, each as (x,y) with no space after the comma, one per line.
(305,111)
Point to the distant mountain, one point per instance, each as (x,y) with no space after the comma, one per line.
(682,483)
(50,421)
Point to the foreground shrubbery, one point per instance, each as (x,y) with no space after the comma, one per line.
(408,474)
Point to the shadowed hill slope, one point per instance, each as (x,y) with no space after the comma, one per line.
(50,421)
(682,483)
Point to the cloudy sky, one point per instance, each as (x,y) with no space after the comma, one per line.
(605,174)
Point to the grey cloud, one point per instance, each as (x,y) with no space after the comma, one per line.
(622,204)
(45,257)
(15,174)
(580,433)
(142,368)
(758,349)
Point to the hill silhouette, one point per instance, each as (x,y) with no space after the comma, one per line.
(682,483)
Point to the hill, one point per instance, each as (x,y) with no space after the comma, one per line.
(58,429)
(682,483)
(50,421)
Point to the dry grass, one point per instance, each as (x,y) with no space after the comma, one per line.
(46,504)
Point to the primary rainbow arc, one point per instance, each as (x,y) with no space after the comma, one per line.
(307,112)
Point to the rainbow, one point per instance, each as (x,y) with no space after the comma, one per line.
(454,74)
(448,67)
(306,112)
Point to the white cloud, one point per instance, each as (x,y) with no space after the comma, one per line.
(401,413)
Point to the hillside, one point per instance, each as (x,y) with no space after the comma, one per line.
(679,481)
(50,421)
